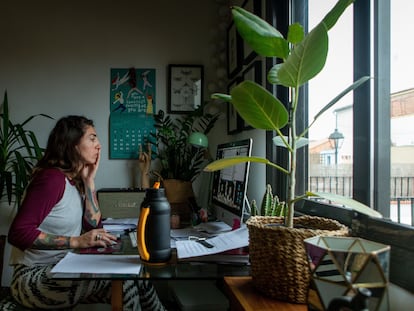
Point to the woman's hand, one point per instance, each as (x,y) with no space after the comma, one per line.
(89,170)
(93,238)
(144,164)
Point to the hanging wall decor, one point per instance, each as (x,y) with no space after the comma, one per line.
(185,88)
(132,106)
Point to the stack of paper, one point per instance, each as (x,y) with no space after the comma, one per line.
(227,247)
(119,224)
(105,264)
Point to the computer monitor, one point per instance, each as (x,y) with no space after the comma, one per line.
(229,185)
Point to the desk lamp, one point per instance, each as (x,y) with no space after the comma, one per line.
(198,139)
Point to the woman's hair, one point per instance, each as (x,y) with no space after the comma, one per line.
(61,149)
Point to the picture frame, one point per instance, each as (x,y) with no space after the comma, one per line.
(234,51)
(233,118)
(253,6)
(253,73)
(185,88)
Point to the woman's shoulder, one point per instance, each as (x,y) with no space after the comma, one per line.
(51,175)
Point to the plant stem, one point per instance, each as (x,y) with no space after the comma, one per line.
(292,159)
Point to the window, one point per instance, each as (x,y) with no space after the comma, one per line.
(331,136)
(402,113)
(375,163)
(339,120)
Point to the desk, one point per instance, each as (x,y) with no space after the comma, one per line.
(244,297)
(172,270)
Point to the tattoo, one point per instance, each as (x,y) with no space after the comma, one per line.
(88,217)
(51,241)
(91,196)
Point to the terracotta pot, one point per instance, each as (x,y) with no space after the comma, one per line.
(179,193)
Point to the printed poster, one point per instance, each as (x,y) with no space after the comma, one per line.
(132,106)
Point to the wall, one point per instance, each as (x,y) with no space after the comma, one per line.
(56,59)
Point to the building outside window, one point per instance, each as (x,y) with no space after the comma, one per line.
(326,170)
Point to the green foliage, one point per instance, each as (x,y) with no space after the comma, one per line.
(19,151)
(301,58)
(180,160)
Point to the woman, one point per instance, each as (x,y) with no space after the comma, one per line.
(59,213)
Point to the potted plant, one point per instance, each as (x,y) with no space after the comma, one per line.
(181,161)
(302,56)
(19,152)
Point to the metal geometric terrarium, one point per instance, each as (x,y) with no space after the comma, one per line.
(340,266)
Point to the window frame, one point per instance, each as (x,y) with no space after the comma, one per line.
(371,122)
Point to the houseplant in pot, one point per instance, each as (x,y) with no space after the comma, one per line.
(279,263)
(19,152)
(181,146)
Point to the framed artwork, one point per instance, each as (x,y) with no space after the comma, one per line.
(234,51)
(233,118)
(252,73)
(185,88)
(253,6)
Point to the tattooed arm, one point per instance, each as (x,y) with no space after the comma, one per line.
(88,239)
(92,213)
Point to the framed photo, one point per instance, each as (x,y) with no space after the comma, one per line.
(234,51)
(185,88)
(252,73)
(253,6)
(233,118)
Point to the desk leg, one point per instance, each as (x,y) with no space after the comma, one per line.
(116,298)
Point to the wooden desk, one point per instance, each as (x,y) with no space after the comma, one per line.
(244,297)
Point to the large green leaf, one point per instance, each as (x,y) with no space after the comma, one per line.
(258,107)
(306,59)
(263,38)
(350,88)
(333,15)
(347,202)
(226,162)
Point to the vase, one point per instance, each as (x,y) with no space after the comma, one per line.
(180,195)
(341,267)
(279,263)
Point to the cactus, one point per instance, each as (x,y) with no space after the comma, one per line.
(271,205)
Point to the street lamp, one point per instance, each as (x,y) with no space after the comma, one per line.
(336,140)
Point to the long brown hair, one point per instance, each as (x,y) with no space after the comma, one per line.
(61,149)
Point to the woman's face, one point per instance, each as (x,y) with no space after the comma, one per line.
(89,146)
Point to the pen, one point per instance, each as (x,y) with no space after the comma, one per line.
(202,241)
(205,243)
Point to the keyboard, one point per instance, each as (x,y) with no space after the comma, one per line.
(133,238)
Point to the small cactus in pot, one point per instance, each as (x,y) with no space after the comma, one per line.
(271,205)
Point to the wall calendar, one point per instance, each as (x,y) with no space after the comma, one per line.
(132,106)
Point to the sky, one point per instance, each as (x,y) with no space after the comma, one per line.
(337,74)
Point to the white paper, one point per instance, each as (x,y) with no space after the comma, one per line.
(120,221)
(119,224)
(213,227)
(106,264)
(222,242)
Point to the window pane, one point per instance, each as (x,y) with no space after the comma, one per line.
(402,112)
(330,160)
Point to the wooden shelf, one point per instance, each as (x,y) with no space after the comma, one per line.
(244,297)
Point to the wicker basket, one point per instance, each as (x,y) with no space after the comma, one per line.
(279,264)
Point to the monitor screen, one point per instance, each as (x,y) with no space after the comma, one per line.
(229,186)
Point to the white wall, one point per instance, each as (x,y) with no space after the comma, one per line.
(56,58)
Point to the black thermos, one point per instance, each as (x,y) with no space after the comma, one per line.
(153,232)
